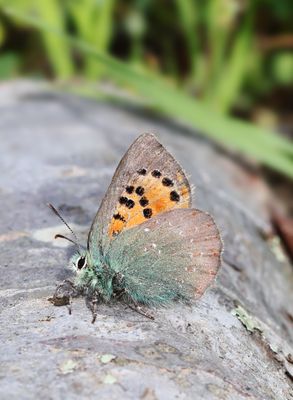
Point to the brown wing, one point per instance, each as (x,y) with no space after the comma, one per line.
(148,181)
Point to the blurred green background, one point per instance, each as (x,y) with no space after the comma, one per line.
(222,66)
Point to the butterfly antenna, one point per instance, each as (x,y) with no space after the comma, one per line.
(59,236)
(76,242)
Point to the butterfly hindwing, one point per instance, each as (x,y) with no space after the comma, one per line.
(148,181)
(173,255)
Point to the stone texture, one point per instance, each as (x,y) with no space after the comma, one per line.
(63,149)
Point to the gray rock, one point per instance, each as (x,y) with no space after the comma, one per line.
(234,343)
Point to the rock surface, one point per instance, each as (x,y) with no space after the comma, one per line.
(234,343)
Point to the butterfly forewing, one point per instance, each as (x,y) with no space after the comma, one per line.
(173,255)
(147,182)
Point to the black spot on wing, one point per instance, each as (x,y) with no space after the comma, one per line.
(129,189)
(147,212)
(119,216)
(139,190)
(130,203)
(156,173)
(174,196)
(167,182)
(123,200)
(142,171)
(127,202)
(143,201)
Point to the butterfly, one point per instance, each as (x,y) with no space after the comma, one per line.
(146,244)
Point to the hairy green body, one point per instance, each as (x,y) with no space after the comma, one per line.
(108,280)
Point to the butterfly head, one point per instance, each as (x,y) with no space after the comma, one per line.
(92,274)
(82,266)
(79,262)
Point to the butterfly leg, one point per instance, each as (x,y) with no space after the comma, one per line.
(92,301)
(133,305)
(63,294)
(140,310)
(121,292)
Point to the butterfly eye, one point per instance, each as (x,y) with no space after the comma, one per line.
(81,263)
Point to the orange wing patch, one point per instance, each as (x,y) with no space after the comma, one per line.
(146,196)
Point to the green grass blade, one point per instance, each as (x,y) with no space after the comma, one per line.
(188,15)
(94,22)
(264,146)
(232,75)
(50,13)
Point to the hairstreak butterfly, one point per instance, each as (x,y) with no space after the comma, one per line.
(146,245)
